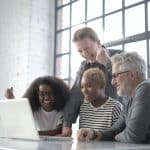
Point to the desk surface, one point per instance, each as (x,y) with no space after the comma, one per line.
(68,145)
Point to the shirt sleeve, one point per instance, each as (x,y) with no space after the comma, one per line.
(115,129)
(72,107)
(60,118)
(117,109)
(137,125)
(109,67)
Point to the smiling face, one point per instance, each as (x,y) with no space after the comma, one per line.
(46,97)
(93,85)
(90,90)
(87,48)
(121,81)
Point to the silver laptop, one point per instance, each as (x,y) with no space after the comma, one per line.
(16,121)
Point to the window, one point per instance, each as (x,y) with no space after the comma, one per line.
(149,16)
(123,24)
(134,20)
(78,12)
(62,66)
(97,26)
(118,47)
(112,6)
(113,27)
(63,16)
(97,5)
(130,2)
(139,47)
(62,45)
(62,2)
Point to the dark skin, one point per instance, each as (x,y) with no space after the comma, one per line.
(100,101)
(47,100)
(92,91)
(51,132)
(46,97)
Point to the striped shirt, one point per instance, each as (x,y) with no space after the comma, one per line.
(99,118)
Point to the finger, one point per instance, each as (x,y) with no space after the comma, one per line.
(78,135)
(81,137)
(7,93)
(64,134)
(88,137)
(70,134)
(11,88)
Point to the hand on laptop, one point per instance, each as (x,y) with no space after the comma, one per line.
(9,93)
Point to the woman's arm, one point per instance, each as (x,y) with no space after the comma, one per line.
(51,132)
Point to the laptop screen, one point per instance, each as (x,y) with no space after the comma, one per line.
(16,119)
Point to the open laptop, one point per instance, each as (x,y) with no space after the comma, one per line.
(16,121)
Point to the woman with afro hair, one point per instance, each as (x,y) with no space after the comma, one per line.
(47,96)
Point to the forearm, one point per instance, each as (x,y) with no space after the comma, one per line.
(108,135)
(72,109)
(67,124)
(51,132)
(115,129)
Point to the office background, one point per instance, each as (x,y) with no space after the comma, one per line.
(36,35)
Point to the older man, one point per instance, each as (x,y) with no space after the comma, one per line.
(133,125)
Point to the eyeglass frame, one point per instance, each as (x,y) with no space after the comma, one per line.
(115,75)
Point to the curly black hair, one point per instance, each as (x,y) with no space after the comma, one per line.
(60,89)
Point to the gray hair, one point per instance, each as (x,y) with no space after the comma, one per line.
(130,61)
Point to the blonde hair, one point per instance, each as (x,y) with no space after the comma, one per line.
(96,75)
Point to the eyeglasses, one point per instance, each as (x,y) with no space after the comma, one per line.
(115,75)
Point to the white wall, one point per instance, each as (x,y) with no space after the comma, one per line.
(26,42)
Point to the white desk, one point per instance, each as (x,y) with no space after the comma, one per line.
(66,145)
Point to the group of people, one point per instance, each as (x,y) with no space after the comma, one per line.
(104,78)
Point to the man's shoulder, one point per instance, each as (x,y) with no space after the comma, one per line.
(142,90)
(145,83)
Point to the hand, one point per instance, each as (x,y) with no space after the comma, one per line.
(102,56)
(85,134)
(66,131)
(9,93)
